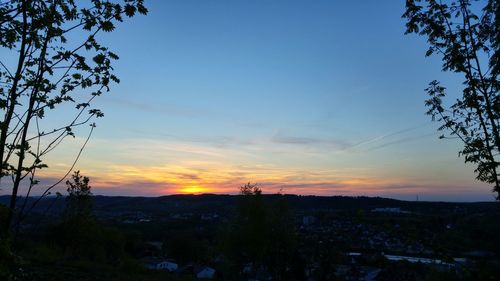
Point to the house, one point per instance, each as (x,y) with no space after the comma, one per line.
(308,220)
(156,263)
(152,248)
(390,210)
(170,265)
(387,210)
(204,272)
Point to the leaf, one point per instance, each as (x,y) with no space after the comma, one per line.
(99,58)
(129,10)
(107,26)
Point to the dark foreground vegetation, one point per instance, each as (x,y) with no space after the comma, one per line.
(253,237)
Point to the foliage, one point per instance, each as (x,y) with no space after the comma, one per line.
(185,246)
(85,270)
(326,256)
(79,199)
(250,189)
(252,223)
(262,234)
(7,261)
(79,235)
(467,38)
(44,66)
(80,239)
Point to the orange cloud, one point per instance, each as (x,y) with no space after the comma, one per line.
(153,168)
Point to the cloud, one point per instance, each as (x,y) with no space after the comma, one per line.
(342,145)
(187,176)
(388,135)
(163,109)
(402,140)
(156,181)
(216,141)
(295,140)
(44,183)
(386,140)
(317,143)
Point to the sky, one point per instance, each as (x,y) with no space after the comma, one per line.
(304,97)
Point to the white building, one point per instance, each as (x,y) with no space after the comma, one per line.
(387,210)
(155,263)
(205,272)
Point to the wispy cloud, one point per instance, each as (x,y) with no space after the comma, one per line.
(402,140)
(310,141)
(167,109)
(388,139)
(226,179)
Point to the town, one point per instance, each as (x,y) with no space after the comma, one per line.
(328,238)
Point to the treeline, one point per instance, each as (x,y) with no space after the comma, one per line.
(73,246)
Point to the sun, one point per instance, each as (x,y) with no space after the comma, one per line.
(192,189)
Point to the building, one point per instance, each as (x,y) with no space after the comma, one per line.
(156,263)
(204,272)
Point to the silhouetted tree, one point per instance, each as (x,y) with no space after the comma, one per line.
(252,224)
(467,37)
(250,189)
(283,238)
(79,199)
(78,233)
(262,234)
(184,246)
(42,67)
(326,257)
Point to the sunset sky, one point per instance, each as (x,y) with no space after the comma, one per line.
(307,97)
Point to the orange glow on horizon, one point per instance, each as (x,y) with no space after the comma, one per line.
(226,178)
(193,189)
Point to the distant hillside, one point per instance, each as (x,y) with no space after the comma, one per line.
(225,203)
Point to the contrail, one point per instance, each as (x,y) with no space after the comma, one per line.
(391,134)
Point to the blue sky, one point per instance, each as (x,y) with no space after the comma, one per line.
(315,97)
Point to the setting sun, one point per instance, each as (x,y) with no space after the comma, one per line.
(193,189)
